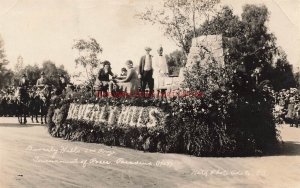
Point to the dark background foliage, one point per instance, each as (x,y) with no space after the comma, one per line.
(246,42)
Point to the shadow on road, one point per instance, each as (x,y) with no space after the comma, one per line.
(290,148)
(21,126)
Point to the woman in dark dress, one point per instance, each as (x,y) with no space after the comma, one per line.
(103,83)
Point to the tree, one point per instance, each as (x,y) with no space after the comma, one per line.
(3,60)
(5,74)
(297,78)
(52,72)
(88,56)
(178,18)
(18,70)
(282,74)
(176,60)
(6,77)
(19,65)
(32,72)
(248,45)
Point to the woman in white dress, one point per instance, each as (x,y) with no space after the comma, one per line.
(160,72)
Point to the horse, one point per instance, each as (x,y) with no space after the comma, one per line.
(22,104)
(44,102)
(34,105)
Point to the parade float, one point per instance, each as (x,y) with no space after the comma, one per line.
(234,119)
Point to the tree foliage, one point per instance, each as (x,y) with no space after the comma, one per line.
(33,73)
(6,75)
(52,72)
(176,60)
(88,56)
(282,73)
(248,45)
(19,65)
(178,18)
(297,78)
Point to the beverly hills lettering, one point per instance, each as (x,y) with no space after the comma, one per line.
(115,115)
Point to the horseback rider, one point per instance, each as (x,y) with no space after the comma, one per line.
(22,98)
(62,84)
(24,82)
(23,87)
(41,82)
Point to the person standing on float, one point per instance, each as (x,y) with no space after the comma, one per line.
(160,72)
(146,72)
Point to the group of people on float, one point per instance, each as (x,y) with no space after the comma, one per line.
(151,72)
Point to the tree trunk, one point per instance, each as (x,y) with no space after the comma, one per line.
(194,24)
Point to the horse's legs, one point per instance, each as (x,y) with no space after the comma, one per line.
(25,115)
(45,118)
(42,118)
(32,117)
(296,122)
(36,117)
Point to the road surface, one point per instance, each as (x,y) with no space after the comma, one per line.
(30,157)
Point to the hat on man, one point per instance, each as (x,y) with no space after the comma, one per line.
(106,63)
(160,48)
(42,73)
(24,75)
(148,48)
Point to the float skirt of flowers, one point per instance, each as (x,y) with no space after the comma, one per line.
(197,126)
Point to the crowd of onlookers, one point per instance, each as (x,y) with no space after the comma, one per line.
(287,106)
(8,102)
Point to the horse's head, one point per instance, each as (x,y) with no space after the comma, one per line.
(34,92)
(31,93)
(43,97)
(44,94)
(18,92)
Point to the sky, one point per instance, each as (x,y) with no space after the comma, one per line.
(45,30)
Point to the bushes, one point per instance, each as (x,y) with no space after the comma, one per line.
(221,124)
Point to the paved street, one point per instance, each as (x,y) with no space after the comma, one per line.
(30,157)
